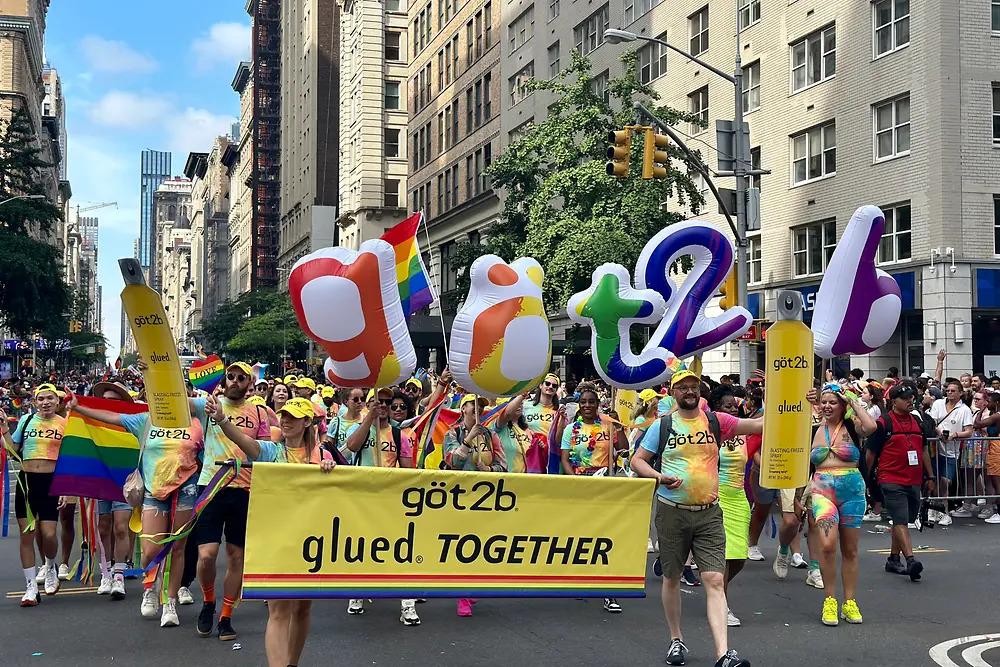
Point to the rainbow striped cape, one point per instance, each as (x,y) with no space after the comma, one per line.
(95,458)
(411,274)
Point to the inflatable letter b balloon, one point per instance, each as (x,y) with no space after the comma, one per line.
(348,302)
(500,341)
(858,305)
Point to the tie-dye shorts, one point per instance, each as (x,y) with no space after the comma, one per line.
(838,496)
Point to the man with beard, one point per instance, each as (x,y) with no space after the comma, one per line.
(226,514)
(681,452)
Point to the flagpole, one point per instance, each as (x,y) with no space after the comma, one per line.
(444,333)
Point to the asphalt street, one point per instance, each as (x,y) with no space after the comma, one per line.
(959,599)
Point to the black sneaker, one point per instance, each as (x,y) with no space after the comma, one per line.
(914,569)
(689,577)
(226,632)
(657,567)
(894,566)
(611,606)
(206,619)
(732,659)
(677,653)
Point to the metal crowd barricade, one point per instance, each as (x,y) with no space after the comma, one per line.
(967,475)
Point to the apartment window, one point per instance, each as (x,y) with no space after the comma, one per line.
(391,193)
(749,13)
(755,263)
(892,128)
(814,153)
(895,244)
(553,9)
(518,83)
(812,247)
(751,87)
(442,189)
(698,23)
(454,57)
(470,178)
(520,29)
(449,10)
(478,100)
(995,17)
(392,5)
(392,50)
(488,25)
(652,62)
(590,34)
(390,139)
(454,185)
(553,60)
(479,34)
(636,8)
(428,23)
(996,224)
(484,180)
(475,238)
(487,97)
(698,106)
(391,94)
(599,85)
(470,43)
(448,273)
(754,181)
(891,25)
(441,68)
(814,58)
(996,113)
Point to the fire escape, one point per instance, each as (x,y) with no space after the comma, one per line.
(264,179)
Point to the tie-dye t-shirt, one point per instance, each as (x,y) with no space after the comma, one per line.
(249,418)
(278,452)
(733,463)
(170,455)
(340,427)
(379,450)
(588,446)
(37,438)
(516,442)
(538,417)
(692,455)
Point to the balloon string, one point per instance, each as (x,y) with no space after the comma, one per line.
(434,294)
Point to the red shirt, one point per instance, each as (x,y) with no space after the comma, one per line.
(896,464)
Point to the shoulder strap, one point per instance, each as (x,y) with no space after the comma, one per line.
(715,427)
(25,427)
(397,437)
(666,428)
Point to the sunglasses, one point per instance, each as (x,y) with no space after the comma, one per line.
(237,377)
(553,385)
(355,399)
(385,401)
(397,406)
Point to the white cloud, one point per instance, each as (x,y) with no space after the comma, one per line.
(124,109)
(106,55)
(225,43)
(195,130)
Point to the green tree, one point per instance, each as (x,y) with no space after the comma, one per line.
(257,326)
(216,332)
(561,207)
(21,166)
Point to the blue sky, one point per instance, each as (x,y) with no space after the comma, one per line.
(139,75)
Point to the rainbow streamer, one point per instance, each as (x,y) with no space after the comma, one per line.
(411,274)
(489,417)
(206,374)
(4,492)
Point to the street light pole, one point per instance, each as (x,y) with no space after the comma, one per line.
(21,197)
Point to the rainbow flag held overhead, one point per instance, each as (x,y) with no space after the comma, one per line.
(95,458)
(411,274)
(430,432)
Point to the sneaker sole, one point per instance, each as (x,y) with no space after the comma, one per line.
(813,585)
(613,611)
(228,637)
(831,624)
(55,591)
(355,613)
(204,633)
(847,620)
(170,624)
(409,623)
(31,603)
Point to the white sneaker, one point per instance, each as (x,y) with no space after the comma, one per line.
(355,607)
(987,512)
(105,586)
(31,598)
(914,526)
(64,572)
(994,519)
(118,587)
(168,619)
(780,566)
(870,517)
(184,596)
(150,605)
(815,579)
(408,613)
(945,520)
(731,619)
(755,554)
(651,548)
(51,581)
(40,577)
(798,562)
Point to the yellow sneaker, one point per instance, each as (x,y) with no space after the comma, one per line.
(830,611)
(850,612)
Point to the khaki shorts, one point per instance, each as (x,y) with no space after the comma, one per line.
(700,532)
(788,498)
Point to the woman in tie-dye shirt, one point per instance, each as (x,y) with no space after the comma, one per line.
(515,436)
(169,465)
(36,441)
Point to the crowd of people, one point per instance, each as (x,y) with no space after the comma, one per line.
(906,451)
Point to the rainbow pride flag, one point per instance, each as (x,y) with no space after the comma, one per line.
(430,434)
(95,458)
(411,274)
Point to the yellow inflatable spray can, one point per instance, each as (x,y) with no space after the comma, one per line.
(164,381)
(784,457)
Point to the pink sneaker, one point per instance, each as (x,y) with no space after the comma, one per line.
(464,607)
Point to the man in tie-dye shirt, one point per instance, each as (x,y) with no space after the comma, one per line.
(688,516)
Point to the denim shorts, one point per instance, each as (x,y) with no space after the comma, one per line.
(187,494)
(109,506)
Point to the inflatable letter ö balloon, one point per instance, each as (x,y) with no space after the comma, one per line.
(500,340)
(858,305)
(348,302)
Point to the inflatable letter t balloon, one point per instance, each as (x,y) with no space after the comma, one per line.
(348,302)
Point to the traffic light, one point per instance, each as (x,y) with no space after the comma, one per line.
(728,290)
(75,326)
(619,153)
(654,155)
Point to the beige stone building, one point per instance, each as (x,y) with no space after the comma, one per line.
(373,163)
(171,208)
(239,160)
(309,181)
(179,301)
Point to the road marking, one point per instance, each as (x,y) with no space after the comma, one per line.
(929,550)
(62,591)
(972,655)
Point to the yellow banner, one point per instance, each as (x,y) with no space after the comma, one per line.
(391,533)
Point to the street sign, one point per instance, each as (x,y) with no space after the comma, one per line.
(751,333)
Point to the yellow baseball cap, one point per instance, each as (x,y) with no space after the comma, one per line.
(469,398)
(416,383)
(256,400)
(682,375)
(300,408)
(290,379)
(648,395)
(372,393)
(327,392)
(42,388)
(243,366)
(305,383)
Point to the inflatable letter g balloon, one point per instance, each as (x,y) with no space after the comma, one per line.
(500,341)
(348,302)
(858,305)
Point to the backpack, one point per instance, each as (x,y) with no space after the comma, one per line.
(667,428)
(397,437)
(887,434)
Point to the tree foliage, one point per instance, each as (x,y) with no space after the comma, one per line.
(21,166)
(560,206)
(258,326)
(33,296)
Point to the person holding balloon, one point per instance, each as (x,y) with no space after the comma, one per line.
(516,438)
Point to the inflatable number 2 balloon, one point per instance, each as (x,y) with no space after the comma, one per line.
(858,305)
(348,302)
(500,341)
